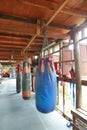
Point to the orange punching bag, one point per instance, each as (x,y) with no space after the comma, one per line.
(26,83)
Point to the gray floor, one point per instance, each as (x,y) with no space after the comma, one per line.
(19,114)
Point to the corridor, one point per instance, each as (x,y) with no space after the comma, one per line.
(19,114)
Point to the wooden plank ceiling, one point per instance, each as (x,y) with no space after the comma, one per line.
(21,24)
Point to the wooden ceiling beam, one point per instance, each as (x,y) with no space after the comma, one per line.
(7,42)
(15,18)
(8,55)
(14,31)
(44,4)
(57,10)
(35,35)
(4,58)
(23,37)
(8,63)
(14,59)
(75,12)
(34,49)
(8,38)
(18,57)
(17,29)
(5,54)
(9,49)
(30,21)
(11,38)
(60,26)
(14,34)
(35,44)
(24,34)
(32,39)
(60,6)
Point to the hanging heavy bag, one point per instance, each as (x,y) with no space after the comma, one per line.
(18,79)
(26,93)
(45,86)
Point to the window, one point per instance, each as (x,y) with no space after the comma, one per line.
(79,35)
(50,50)
(56,48)
(71,47)
(46,52)
(84,96)
(85,32)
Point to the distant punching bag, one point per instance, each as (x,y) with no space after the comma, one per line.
(18,79)
(46,86)
(26,94)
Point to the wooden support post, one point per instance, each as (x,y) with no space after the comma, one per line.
(64,98)
(78,74)
(22,53)
(61,57)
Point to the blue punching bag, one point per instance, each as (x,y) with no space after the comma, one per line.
(46,86)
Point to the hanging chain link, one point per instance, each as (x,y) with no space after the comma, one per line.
(45,39)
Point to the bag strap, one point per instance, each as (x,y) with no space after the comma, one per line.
(51,62)
(39,64)
(52,65)
(46,64)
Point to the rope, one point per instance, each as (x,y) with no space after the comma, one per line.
(45,40)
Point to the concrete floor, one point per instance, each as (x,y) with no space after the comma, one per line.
(19,114)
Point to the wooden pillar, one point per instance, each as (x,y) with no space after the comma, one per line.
(59,56)
(77,71)
(62,66)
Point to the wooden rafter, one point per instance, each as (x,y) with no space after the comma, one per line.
(9,49)
(11,46)
(6,33)
(9,42)
(12,38)
(34,49)
(43,5)
(37,33)
(19,30)
(75,12)
(13,33)
(30,21)
(58,9)
(16,18)
(60,6)
(32,39)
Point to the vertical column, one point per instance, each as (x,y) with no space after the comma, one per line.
(77,71)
